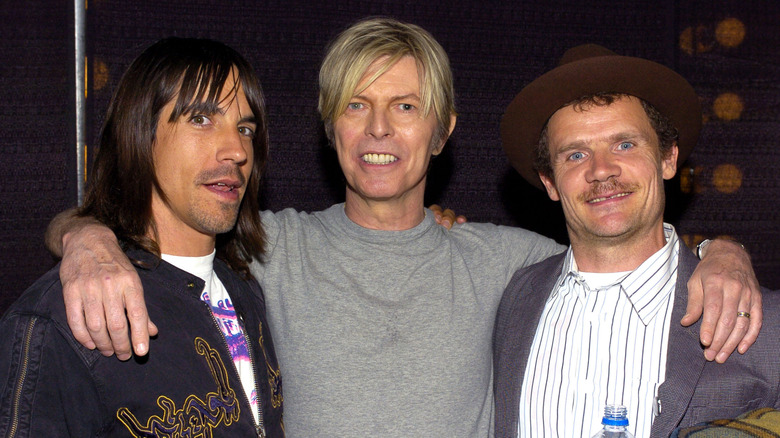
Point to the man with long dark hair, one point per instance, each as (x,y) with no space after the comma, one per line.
(176,178)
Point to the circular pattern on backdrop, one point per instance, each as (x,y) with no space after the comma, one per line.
(728,106)
(730,32)
(727,178)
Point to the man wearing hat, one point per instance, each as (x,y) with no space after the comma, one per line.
(596,325)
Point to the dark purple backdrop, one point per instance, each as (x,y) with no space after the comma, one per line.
(728,50)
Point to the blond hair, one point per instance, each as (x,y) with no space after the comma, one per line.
(351,54)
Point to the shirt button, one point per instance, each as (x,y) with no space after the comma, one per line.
(190,285)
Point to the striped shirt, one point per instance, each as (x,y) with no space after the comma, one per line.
(602,339)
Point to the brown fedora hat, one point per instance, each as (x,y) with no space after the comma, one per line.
(589,69)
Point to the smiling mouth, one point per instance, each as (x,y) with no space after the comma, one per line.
(379,158)
(224,187)
(604,198)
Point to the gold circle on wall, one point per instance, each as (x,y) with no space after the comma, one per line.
(727,178)
(730,32)
(728,106)
(686,40)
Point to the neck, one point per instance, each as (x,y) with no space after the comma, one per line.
(184,243)
(389,215)
(615,254)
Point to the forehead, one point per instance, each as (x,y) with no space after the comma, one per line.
(208,98)
(403,73)
(589,121)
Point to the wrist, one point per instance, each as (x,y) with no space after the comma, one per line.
(701,248)
(89,230)
(706,244)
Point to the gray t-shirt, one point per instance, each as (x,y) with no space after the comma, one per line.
(387,333)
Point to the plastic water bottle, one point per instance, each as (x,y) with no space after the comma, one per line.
(615,423)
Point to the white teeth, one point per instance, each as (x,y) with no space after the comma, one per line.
(379,158)
(619,195)
(230,188)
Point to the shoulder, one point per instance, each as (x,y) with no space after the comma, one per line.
(42,298)
(39,315)
(290,220)
(233,281)
(499,234)
(545,271)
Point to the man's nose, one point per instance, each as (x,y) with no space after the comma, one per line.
(602,166)
(233,146)
(379,124)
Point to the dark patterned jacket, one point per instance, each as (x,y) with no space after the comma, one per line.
(187,386)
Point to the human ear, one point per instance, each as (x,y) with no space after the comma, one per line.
(669,163)
(549,184)
(437,150)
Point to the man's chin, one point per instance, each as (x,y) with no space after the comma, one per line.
(218,223)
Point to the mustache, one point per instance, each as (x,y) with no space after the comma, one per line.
(223,172)
(599,189)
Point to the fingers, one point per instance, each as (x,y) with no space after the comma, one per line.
(718,349)
(728,286)
(75,315)
(98,281)
(445,218)
(756,320)
(733,332)
(448,218)
(139,322)
(695,306)
(116,322)
(711,318)
(96,326)
(704,304)
(152,328)
(730,328)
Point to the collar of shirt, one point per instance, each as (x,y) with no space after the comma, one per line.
(647,287)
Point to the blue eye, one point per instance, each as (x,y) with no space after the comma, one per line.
(406,106)
(576,156)
(625,145)
(354,106)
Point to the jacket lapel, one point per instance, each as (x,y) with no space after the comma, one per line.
(529,295)
(684,358)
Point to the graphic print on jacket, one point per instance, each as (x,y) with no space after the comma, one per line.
(196,417)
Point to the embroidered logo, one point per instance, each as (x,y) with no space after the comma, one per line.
(196,418)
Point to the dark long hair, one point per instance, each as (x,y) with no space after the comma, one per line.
(123,175)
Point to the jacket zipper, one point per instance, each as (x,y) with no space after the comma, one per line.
(22,376)
(259,428)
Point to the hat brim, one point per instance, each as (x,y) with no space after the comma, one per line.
(660,86)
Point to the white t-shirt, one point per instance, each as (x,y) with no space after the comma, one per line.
(217,297)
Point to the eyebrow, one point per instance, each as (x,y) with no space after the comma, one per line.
(614,138)
(205,107)
(248,119)
(394,98)
(214,108)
